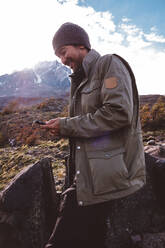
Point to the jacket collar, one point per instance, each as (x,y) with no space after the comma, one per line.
(87,65)
(89,60)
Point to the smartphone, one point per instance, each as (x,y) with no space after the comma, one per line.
(39,122)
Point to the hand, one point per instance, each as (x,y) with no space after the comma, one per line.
(53,126)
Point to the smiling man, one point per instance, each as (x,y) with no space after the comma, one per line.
(106,160)
(72,56)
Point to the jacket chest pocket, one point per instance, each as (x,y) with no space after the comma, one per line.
(90,99)
(108,171)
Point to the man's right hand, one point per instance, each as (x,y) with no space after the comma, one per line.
(53,126)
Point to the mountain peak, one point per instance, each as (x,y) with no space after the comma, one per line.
(47,78)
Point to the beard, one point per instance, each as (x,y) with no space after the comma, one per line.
(74,64)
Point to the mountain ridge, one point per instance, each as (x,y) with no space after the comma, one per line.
(46,79)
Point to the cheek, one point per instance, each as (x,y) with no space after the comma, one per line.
(76,56)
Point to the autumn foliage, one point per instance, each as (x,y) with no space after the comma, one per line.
(3,137)
(28,136)
(12,107)
(153,117)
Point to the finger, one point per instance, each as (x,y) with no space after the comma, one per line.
(47,127)
(50,121)
(52,132)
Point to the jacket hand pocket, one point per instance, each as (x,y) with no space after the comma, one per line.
(108,171)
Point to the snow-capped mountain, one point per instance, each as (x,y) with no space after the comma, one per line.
(44,80)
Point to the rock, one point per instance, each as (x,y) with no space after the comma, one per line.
(134,218)
(161,151)
(152,150)
(160,138)
(150,138)
(28,208)
(151,142)
(8,236)
(152,240)
(157,151)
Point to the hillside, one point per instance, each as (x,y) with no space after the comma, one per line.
(148,99)
(22,144)
(16,118)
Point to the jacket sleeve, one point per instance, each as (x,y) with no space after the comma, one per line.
(116,109)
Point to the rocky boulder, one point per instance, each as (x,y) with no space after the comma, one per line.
(138,221)
(28,208)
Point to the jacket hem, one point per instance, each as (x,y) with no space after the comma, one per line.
(112,196)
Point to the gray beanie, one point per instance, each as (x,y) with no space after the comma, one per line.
(70,34)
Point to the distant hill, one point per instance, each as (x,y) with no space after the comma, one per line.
(22,101)
(28,101)
(149,99)
(45,80)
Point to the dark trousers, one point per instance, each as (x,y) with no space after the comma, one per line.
(79,227)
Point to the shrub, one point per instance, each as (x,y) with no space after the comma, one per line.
(32,139)
(28,136)
(153,118)
(3,137)
(43,104)
(11,107)
(64,113)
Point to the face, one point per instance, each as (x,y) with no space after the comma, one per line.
(72,56)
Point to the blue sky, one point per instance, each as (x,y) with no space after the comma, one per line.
(143,13)
(134,29)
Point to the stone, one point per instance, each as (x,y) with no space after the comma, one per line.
(134,217)
(152,240)
(28,207)
(151,138)
(161,151)
(151,142)
(158,151)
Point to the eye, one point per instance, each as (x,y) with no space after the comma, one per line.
(62,52)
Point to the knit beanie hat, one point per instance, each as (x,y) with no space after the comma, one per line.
(70,34)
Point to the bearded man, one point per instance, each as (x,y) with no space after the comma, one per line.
(106,160)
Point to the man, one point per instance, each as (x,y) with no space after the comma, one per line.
(106,152)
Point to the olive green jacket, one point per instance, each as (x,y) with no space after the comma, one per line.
(109,156)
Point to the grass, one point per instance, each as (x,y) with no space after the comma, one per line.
(13,160)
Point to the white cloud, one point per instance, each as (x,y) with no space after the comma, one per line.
(130,29)
(68,1)
(154,29)
(125,19)
(155,38)
(27,29)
